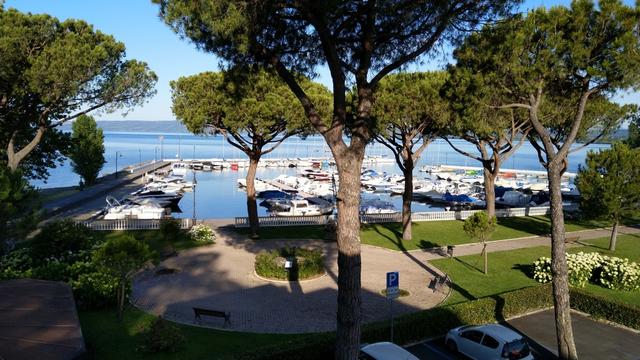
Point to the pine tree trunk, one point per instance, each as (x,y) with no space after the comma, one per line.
(490,192)
(559,268)
(252,206)
(407,196)
(614,236)
(349,263)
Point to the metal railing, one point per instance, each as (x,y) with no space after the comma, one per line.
(268,221)
(241,222)
(131,224)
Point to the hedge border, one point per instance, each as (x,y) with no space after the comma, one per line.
(420,325)
(603,308)
(437,321)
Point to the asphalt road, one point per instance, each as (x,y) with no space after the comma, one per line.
(594,340)
(436,350)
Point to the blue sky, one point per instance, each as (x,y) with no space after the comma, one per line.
(136,24)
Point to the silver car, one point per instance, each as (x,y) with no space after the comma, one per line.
(487,342)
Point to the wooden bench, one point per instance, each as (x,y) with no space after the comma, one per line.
(198,312)
(571,239)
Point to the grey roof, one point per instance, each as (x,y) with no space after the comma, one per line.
(38,320)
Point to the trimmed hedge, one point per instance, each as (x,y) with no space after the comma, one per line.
(603,308)
(417,326)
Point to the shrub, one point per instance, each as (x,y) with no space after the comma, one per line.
(306,263)
(619,274)
(602,308)
(17,260)
(542,270)
(161,336)
(51,270)
(95,290)
(582,266)
(170,229)
(611,272)
(63,240)
(202,234)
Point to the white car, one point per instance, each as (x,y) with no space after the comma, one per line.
(487,342)
(385,351)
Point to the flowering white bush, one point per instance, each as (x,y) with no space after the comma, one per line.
(581,267)
(202,233)
(542,270)
(619,274)
(611,272)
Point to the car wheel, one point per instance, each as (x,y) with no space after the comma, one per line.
(451,345)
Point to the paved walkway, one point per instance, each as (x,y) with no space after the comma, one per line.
(222,277)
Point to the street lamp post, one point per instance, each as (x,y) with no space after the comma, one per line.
(195,185)
(161,147)
(117,156)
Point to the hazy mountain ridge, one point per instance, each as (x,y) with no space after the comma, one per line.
(138,126)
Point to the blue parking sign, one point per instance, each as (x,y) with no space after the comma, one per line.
(393,280)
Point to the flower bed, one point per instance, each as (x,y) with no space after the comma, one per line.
(610,272)
(301,264)
(202,234)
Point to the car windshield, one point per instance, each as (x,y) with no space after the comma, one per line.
(516,349)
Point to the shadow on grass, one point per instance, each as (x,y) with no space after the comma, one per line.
(526,269)
(396,230)
(468,265)
(533,225)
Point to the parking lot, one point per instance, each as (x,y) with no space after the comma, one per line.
(594,339)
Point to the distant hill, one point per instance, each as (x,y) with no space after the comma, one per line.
(138,126)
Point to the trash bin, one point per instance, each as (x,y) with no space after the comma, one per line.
(450,250)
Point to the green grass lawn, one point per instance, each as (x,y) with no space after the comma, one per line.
(510,270)
(154,239)
(426,234)
(628,246)
(441,233)
(110,339)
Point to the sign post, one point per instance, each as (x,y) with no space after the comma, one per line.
(393,291)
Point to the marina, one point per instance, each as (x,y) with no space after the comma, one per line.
(308,186)
(216,190)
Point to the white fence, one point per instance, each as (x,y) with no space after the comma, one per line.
(131,224)
(241,222)
(266,221)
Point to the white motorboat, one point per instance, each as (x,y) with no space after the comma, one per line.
(117,211)
(302,207)
(514,199)
(179,168)
(377,206)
